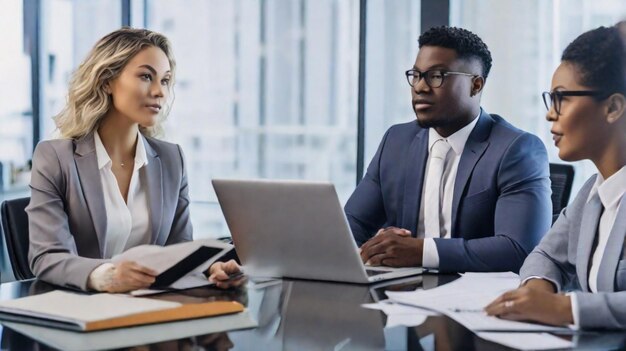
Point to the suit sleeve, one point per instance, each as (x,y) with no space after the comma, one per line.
(181,226)
(602,310)
(522,214)
(52,250)
(365,209)
(549,260)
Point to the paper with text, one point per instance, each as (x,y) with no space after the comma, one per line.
(465,298)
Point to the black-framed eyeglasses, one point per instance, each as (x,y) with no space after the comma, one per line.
(433,78)
(554,98)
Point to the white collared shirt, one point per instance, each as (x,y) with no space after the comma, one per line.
(457,141)
(127,223)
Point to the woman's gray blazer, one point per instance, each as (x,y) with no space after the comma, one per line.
(563,257)
(67,217)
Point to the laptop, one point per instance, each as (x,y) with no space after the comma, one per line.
(295,229)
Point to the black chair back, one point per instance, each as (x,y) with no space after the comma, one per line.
(562,177)
(15,229)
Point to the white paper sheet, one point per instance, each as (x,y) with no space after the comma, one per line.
(480,321)
(527,341)
(401,315)
(187,282)
(161,258)
(389,308)
(407,320)
(464,300)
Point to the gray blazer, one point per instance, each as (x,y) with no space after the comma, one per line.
(563,257)
(67,217)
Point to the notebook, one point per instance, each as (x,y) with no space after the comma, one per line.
(83,312)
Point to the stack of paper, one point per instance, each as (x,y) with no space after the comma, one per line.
(464,300)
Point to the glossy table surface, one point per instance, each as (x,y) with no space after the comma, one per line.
(291,315)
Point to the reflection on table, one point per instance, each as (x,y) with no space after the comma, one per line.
(290,314)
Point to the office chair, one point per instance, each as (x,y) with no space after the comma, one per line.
(562,177)
(15,229)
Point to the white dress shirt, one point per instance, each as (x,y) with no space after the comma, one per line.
(457,141)
(127,222)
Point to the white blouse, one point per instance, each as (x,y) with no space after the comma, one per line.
(127,223)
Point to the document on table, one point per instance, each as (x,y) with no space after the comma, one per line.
(179,266)
(187,282)
(161,258)
(397,314)
(464,300)
(527,341)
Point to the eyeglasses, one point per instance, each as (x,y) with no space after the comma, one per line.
(433,78)
(554,98)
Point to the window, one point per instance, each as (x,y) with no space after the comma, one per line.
(393,28)
(526,40)
(69,29)
(265,89)
(15,93)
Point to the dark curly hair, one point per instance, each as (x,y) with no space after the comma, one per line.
(466,44)
(599,58)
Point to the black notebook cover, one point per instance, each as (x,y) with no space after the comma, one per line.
(184,266)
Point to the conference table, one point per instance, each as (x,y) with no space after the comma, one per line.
(281,315)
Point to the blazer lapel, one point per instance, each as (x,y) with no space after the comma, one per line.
(89,177)
(588,230)
(613,251)
(414,178)
(474,148)
(154,186)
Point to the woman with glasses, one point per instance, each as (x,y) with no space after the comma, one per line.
(577,273)
(108,184)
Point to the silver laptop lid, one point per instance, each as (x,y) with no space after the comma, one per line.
(290,229)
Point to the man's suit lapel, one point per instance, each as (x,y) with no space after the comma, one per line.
(474,148)
(154,186)
(613,252)
(414,179)
(588,230)
(89,178)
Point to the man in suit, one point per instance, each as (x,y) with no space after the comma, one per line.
(458,189)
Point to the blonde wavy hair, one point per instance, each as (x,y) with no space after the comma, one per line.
(87,100)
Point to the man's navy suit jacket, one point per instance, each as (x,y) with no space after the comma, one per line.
(501,205)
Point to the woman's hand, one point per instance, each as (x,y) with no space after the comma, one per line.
(532,304)
(121,277)
(226,274)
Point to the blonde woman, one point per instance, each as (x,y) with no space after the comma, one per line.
(108,184)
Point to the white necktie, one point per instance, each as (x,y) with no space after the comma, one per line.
(432,193)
